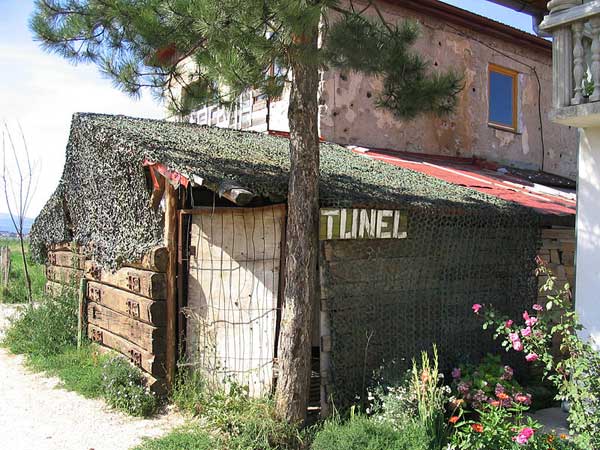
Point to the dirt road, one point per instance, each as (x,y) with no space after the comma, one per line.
(36,415)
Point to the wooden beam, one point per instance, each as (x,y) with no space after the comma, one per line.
(63,275)
(150,362)
(142,282)
(171,245)
(132,305)
(156,260)
(65,258)
(146,336)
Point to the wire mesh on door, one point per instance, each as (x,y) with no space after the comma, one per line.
(233,287)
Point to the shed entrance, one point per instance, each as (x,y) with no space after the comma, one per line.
(233,290)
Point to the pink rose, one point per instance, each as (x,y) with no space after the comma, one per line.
(529,321)
(526,332)
(456,373)
(513,337)
(508,323)
(538,307)
(476,307)
(524,435)
(532,357)
(517,345)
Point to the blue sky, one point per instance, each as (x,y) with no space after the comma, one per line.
(41,91)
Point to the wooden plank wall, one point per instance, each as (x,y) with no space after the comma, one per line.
(126,309)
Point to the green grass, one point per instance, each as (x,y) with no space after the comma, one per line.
(46,335)
(186,438)
(16,292)
(80,370)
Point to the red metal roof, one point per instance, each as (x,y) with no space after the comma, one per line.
(473,175)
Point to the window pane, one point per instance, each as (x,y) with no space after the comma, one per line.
(501,99)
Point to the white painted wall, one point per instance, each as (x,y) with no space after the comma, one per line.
(587,297)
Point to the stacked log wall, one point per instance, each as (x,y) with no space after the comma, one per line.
(124,310)
(558,253)
(64,268)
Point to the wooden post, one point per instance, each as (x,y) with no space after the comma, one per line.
(81,322)
(171,244)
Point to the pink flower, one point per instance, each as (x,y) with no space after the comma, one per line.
(463,388)
(524,435)
(517,345)
(532,357)
(525,332)
(499,389)
(476,307)
(456,373)
(524,399)
(538,307)
(508,323)
(529,321)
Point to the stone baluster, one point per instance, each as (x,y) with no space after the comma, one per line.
(595,68)
(555,6)
(579,64)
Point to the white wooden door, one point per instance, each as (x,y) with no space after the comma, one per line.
(233,294)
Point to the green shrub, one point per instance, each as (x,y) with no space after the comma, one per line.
(47,329)
(186,438)
(364,433)
(124,388)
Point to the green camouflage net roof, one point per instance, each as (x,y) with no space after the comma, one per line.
(103,195)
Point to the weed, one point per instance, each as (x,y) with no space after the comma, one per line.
(124,388)
(185,438)
(364,433)
(45,330)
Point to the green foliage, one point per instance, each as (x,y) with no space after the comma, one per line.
(79,370)
(235,44)
(364,433)
(124,388)
(408,88)
(245,423)
(45,330)
(574,369)
(186,438)
(497,428)
(16,291)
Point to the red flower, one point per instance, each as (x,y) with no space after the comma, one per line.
(477,427)
(453,419)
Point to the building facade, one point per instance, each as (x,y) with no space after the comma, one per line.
(501,115)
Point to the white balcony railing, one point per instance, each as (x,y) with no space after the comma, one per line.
(575,28)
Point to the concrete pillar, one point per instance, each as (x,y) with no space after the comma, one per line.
(587,297)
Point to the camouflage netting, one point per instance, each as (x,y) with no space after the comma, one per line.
(390,299)
(103,195)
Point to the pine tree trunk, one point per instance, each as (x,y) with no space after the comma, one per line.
(302,243)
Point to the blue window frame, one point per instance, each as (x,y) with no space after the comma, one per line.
(503,97)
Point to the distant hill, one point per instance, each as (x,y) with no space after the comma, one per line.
(6,225)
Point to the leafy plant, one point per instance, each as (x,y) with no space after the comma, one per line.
(364,433)
(477,384)
(574,369)
(46,329)
(16,291)
(125,388)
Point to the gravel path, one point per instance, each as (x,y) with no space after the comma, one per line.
(36,415)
